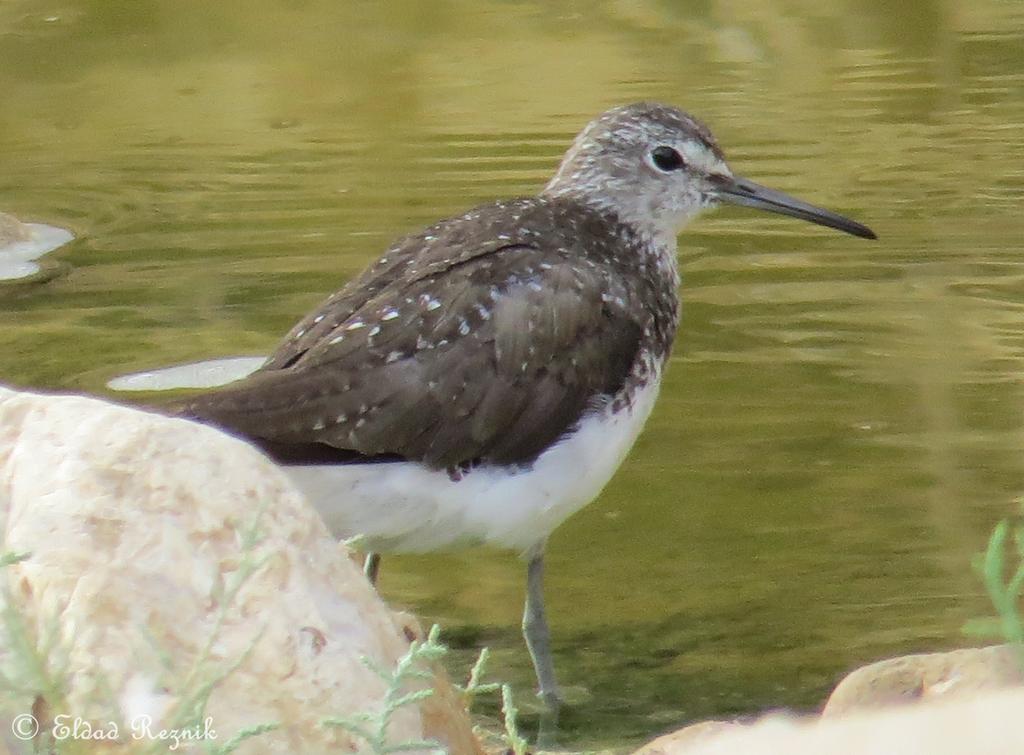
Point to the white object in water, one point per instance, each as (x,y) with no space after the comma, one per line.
(206,374)
(21,243)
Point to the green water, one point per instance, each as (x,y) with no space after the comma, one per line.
(842,421)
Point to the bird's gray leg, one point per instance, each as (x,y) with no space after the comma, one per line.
(535,630)
(371,566)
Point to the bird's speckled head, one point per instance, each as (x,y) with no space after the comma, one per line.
(653,165)
(656,167)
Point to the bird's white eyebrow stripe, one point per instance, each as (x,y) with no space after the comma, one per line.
(699,156)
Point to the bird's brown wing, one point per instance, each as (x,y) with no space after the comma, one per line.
(346,301)
(492,354)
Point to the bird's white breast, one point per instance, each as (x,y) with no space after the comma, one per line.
(404,506)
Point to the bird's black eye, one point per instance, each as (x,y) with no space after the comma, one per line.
(667,159)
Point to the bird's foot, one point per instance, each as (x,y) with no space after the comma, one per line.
(547,729)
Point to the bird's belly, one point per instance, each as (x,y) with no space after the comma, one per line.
(404,506)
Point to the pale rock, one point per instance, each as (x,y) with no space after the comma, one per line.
(686,737)
(134,524)
(21,243)
(986,724)
(12,230)
(927,676)
(209,373)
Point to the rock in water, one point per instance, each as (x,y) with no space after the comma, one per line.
(21,243)
(164,556)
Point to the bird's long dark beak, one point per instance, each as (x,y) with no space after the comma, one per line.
(741,191)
